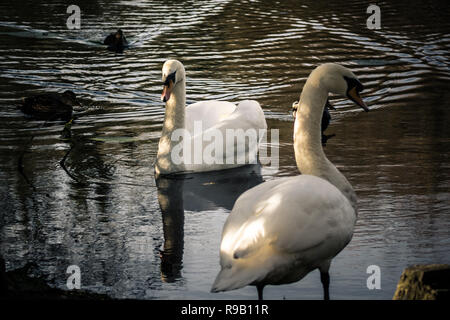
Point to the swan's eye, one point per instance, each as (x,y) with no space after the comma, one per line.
(353,83)
(170,77)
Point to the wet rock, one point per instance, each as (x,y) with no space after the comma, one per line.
(424,282)
(17,284)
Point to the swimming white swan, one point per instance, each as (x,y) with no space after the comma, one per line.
(212,130)
(281,230)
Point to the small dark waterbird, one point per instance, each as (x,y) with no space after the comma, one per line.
(50,106)
(116,41)
(326,118)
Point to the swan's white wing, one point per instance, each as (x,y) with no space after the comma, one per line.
(247,114)
(248,124)
(236,134)
(279,222)
(250,112)
(210,113)
(293,214)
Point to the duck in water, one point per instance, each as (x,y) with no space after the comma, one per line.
(50,106)
(116,41)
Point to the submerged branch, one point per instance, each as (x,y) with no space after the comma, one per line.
(66,134)
(63,165)
(20,165)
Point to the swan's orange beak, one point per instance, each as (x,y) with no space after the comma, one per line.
(354,96)
(167,90)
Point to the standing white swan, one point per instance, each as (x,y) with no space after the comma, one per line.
(205,126)
(281,230)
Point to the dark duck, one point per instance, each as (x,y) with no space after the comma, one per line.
(50,106)
(326,118)
(116,41)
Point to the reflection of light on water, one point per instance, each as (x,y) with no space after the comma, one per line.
(113,226)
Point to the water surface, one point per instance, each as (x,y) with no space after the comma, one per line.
(135,238)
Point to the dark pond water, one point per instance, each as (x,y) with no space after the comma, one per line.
(135,238)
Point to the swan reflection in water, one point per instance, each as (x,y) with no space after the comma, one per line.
(196,192)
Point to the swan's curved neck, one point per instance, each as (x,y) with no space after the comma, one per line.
(174,119)
(309,153)
(175,108)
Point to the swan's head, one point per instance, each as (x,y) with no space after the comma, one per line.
(340,80)
(172,73)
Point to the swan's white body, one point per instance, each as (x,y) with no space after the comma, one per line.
(281,230)
(285,234)
(205,119)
